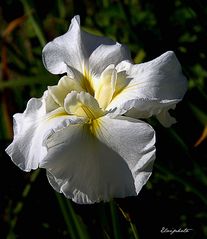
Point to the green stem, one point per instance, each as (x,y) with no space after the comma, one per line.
(80,227)
(134,230)
(132,225)
(33,22)
(66,216)
(115,221)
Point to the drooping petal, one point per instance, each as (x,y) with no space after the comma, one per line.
(83,105)
(133,140)
(71,51)
(165,118)
(159,83)
(145,108)
(88,170)
(84,169)
(30,130)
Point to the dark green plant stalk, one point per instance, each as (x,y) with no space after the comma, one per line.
(182,181)
(67,218)
(103,220)
(134,230)
(132,225)
(80,227)
(33,22)
(115,220)
(76,229)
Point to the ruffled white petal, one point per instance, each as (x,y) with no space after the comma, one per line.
(76,50)
(134,141)
(145,108)
(152,86)
(84,169)
(24,130)
(88,170)
(30,130)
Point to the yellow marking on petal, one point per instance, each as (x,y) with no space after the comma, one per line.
(85,111)
(95,126)
(106,86)
(87,82)
(83,104)
(57,113)
(121,83)
(129,88)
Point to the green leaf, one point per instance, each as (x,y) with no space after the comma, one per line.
(115,220)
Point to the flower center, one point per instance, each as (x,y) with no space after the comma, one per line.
(88,96)
(83,105)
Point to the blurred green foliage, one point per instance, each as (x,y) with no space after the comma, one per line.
(175,196)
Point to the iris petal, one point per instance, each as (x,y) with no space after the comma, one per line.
(60,91)
(78,50)
(117,162)
(31,128)
(151,87)
(106,86)
(134,141)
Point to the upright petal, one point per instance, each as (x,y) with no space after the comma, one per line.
(71,51)
(65,86)
(84,169)
(59,53)
(152,87)
(105,55)
(106,86)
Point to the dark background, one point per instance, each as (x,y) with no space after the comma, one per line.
(175,196)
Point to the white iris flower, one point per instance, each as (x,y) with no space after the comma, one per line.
(86,131)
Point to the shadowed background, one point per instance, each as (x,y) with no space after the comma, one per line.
(175,196)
